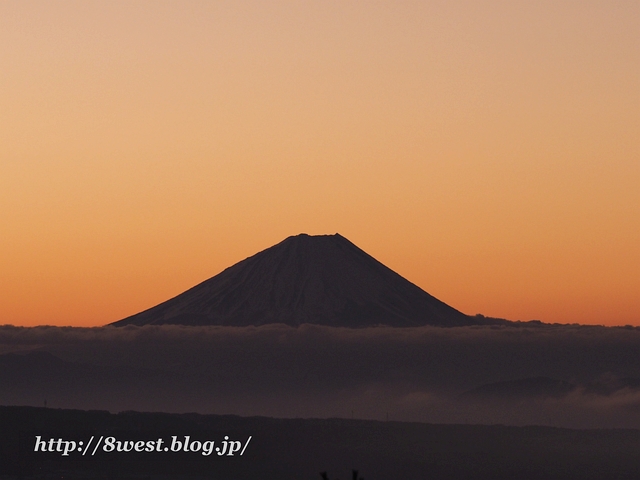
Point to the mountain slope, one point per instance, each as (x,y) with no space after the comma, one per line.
(323,280)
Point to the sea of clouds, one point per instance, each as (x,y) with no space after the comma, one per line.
(410,374)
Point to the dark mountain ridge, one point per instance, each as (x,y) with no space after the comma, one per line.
(288,449)
(324,280)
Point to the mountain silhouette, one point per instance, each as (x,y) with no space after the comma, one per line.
(322,279)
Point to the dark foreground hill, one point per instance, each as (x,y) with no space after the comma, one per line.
(324,280)
(302,448)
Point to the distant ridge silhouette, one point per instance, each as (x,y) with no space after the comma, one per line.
(324,280)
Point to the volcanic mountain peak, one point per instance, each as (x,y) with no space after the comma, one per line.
(322,279)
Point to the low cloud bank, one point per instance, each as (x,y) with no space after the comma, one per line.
(420,374)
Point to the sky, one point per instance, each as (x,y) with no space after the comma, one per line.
(488,151)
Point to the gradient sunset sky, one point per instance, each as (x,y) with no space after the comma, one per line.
(488,151)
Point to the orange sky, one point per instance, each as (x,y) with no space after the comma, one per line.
(488,151)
